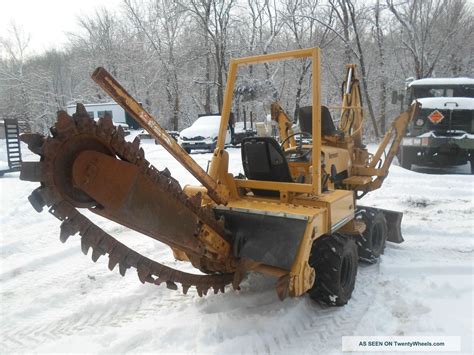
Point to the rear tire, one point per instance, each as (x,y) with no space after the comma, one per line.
(334,257)
(372,242)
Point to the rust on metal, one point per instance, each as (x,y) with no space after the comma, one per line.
(89,164)
(124,99)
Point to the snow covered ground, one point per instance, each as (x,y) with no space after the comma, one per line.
(54,299)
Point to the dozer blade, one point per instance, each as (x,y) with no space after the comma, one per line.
(268,239)
(394,221)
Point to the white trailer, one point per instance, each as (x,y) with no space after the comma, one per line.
(95,111)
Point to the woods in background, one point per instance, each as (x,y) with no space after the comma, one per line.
(173,55)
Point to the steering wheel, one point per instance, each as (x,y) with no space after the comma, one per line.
(297,154)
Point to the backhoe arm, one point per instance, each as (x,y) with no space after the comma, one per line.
(392,138)
(352,116)
(284,125)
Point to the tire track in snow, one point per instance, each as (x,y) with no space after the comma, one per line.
(114,313)
(321,327)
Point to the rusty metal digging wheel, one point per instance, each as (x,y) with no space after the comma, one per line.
(71,136)
(334,257)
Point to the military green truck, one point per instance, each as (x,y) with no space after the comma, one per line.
(442,133)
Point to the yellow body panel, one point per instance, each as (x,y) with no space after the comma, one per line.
(338,157)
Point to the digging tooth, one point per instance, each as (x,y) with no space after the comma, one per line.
(171,285)
(34,141)
(85,245)
(199,291)
(117,142)
(68,228)
(123,268)
(159,280)
(31,171)
(112,262)
(106,124)
(186,288)
(37,200)
(135,145)
(222,288)
(64,124)
(132,259)
(132,153)
(80,110)
(120,133)
(215,289)
(114,258)
(108,117)
(144,274)
(96,254)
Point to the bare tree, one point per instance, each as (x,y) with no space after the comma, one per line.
(427,29)
(378,34)
(348,14)
(173,55)
(12,75)
(163,29)
(214,17)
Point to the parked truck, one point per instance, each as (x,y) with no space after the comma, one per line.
(442,133)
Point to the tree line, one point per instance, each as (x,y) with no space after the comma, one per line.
(173,56)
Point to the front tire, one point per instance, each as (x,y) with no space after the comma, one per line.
(334,257)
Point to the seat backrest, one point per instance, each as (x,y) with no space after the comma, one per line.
(263,159)
(306,120)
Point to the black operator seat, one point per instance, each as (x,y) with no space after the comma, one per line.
(264,160)
(306,121)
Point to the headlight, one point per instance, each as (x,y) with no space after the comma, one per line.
(420,122)
(208,140)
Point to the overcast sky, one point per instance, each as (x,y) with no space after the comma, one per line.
(47,21)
